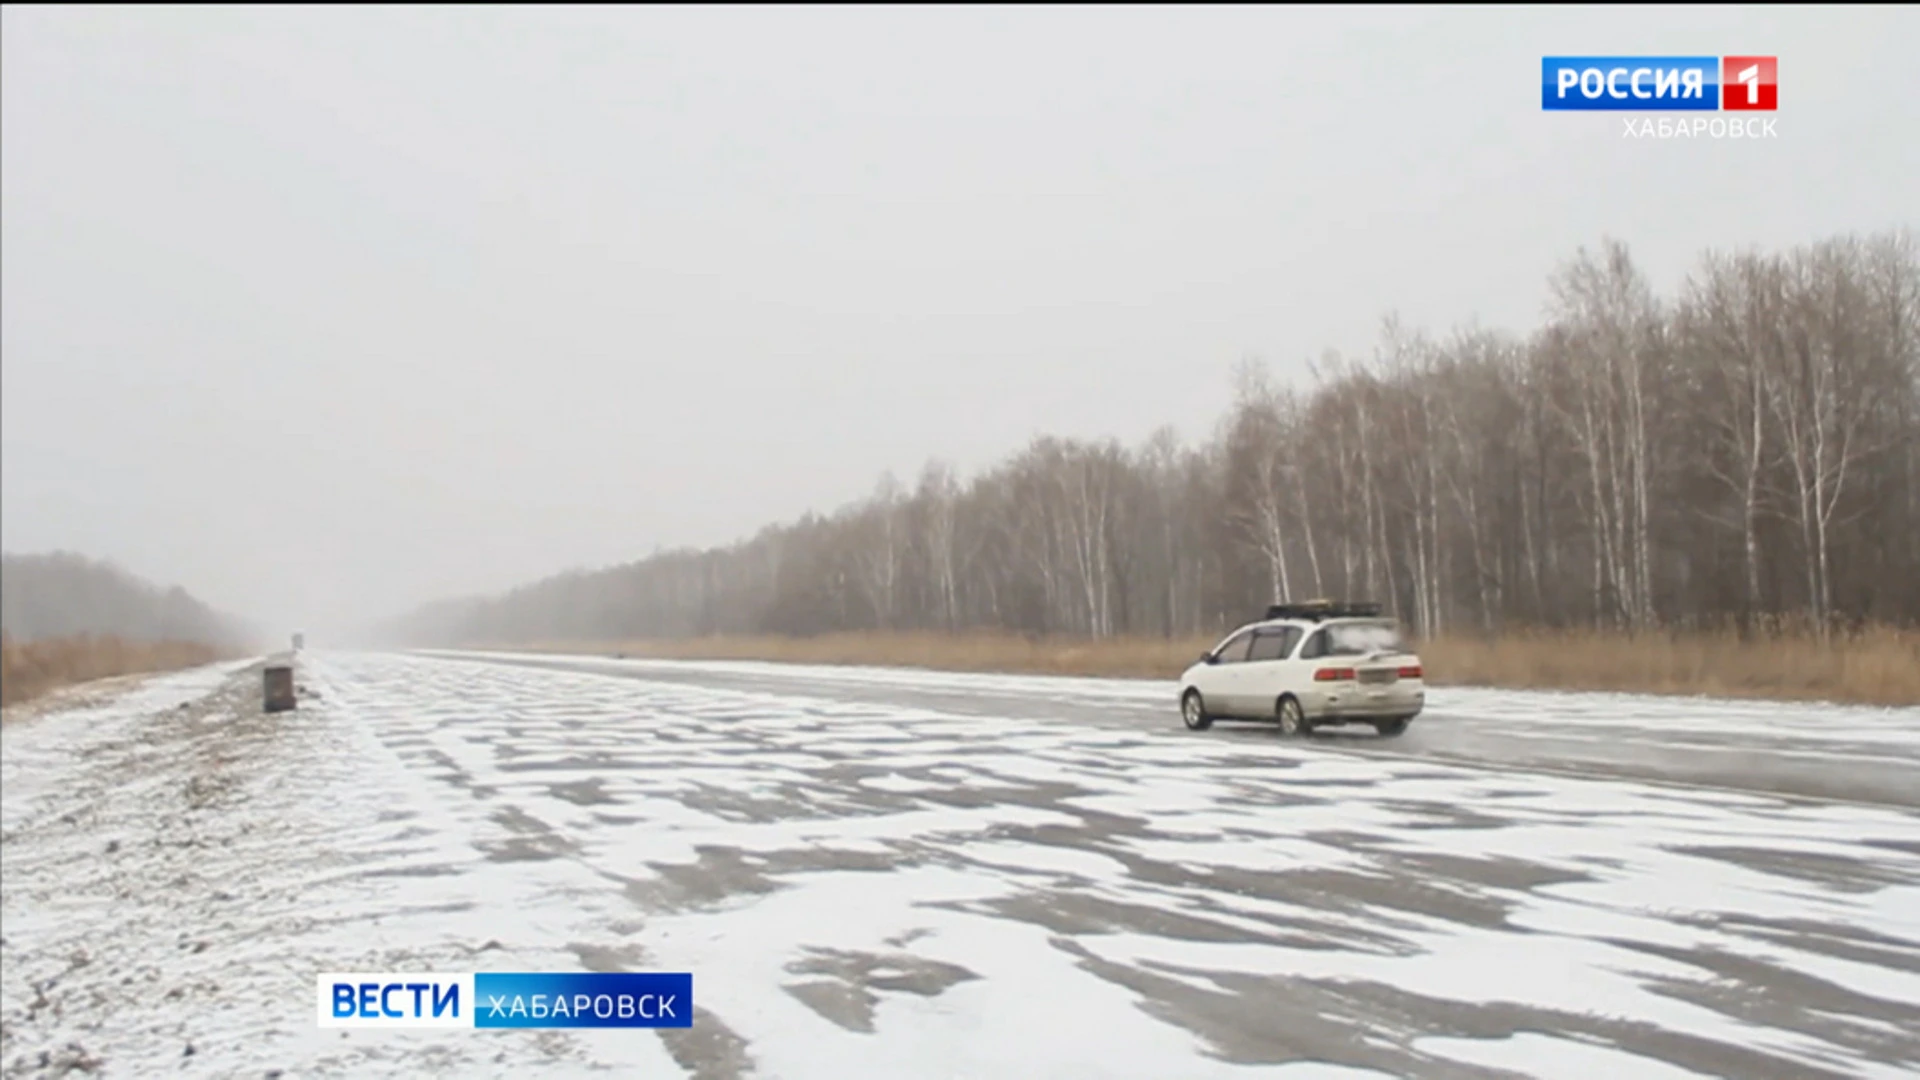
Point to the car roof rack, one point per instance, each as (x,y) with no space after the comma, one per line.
(1317,610)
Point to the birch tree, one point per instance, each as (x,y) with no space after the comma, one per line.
(1749,447)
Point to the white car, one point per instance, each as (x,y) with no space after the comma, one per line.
(1308,666)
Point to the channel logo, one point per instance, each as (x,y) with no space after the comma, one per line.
(1660,83)
(492,999)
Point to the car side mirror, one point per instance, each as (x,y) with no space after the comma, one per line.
(1207,658)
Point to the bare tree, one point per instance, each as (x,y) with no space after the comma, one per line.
(1749,448)
(880,551)
(940,497)
(1731,320)
(1259,449)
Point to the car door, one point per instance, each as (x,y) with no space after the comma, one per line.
(1294,675)
(1264,678)
(1224,696)
(1300,671)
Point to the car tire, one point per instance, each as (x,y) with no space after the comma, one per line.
(1293,718)
(1389,728)
(1193,711)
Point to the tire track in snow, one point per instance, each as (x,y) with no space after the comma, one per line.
(1170,905)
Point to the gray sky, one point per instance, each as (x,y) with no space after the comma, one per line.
(322,313)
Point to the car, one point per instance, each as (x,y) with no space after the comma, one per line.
(1306,666)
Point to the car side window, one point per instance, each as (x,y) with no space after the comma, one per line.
(1235,651)
(1316,646)
(1268,645)
(1274,644)
(1294,634)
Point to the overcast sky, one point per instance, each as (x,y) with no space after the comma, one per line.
(322,313)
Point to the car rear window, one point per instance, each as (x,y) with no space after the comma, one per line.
(1361,639)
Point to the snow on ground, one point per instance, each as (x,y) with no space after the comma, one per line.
(1715,720)
(1858,753)
(872,888)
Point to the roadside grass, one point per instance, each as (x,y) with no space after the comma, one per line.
(1878,665)
(31,669)
(1872,666)
(1119,657)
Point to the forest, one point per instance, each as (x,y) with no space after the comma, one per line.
(1739,455)
(64,594)
(66,618)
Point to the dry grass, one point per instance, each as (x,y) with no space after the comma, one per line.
(1116,657)
(28,670)
(1875,666)
(1879,666)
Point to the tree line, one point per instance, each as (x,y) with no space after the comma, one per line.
(64,595)
(1740,453)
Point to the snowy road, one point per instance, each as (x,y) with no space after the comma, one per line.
(909,874)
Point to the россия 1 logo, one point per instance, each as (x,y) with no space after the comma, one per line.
(1660,83)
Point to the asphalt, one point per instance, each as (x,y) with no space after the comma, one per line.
(859,867)
(1636,738)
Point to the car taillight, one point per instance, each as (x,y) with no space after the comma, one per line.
(1332,674)
(1411,671)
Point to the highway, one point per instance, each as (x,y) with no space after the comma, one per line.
(886,872)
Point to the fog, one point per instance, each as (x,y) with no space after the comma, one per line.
(326,313)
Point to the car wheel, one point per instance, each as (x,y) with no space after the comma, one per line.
(1390,728)
(1193,711)
(1293,719)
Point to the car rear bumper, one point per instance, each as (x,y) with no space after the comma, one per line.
(1357,702)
